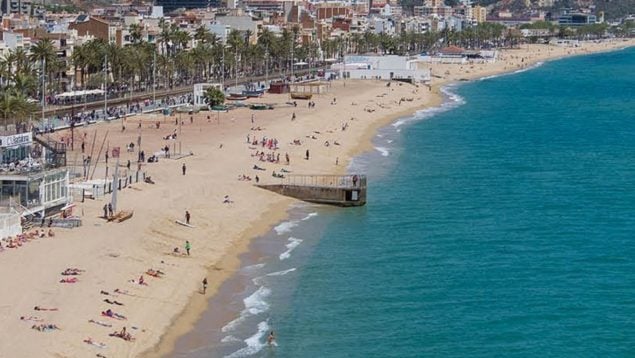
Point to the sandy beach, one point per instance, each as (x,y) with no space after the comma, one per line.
(113,256)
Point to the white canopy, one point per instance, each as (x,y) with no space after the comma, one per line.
(79,93)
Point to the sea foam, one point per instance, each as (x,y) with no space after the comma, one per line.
(383,150)
(253,267)
(310,215)
(453,100)
(254,343)
(254,304)
(285,227)
(229,339)
(293,243)
(281,273)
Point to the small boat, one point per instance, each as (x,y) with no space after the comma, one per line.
(220,108)
(187,109)
(295,95)
(253,94)
(260,106)
(236,97)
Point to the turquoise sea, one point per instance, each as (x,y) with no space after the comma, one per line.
(502,224)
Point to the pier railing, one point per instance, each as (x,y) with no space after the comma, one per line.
(327,181)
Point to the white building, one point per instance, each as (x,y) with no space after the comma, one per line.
(391,67)
(199,93)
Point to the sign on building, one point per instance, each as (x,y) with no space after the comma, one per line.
(16,140)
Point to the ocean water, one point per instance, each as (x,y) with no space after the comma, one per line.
(502,224)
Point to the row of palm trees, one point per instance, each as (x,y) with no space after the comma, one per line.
(171,60)
(20,75)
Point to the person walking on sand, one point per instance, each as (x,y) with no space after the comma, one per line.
(110,211)
(204,285)
(184,168)
(188,246)
(187,217)
(293,116)
(307,155)
(105,211)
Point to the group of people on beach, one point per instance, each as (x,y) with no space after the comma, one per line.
(15,242)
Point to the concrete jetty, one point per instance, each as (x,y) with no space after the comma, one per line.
(339,190)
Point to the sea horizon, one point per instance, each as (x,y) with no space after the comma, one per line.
(283,266)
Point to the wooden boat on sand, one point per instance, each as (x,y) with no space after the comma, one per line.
(236,97)
(121,216)
(305,96)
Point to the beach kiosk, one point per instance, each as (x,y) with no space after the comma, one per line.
(33,173)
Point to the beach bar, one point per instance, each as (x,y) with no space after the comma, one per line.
(339,190)
(33,173)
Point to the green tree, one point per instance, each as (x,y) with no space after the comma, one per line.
(214,97)
(15,107)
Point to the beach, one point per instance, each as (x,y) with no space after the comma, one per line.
(115,254)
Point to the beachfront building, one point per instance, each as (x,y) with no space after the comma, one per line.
(33,173)
(390,67)
(457,55)
(576,19)
(199,93)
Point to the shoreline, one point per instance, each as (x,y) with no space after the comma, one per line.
(222,240)
(187,319)
(440,97)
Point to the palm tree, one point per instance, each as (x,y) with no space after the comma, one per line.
(14,107)
(4,72)
(136,33)
(42,50)
(24,84)
(204,35)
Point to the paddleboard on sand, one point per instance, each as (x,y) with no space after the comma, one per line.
(184,223)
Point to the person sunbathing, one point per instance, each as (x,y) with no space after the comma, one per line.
(69,280)
(141,281)
(154,273)
(122,335)
(38,308)
(91,342)
(44,327)
(113,302)
(103,324)
(31,318)
(51,233)
(109,313)
(71,272)
(122,292)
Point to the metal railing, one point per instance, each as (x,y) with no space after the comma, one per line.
(349,181)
